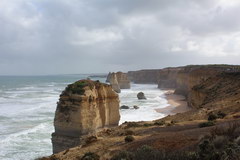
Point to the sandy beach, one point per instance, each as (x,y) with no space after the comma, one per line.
(177,104)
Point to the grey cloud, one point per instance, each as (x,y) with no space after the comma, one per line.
(58,36)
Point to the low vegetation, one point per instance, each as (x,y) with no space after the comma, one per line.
(206,124)
(77,87)
(221,144)
(89,156)
(129,138)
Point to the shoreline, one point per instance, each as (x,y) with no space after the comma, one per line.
(177,104)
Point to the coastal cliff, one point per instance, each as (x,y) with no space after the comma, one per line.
(181,79)
(84,107)
(211,91)
(144,76)
(218,92)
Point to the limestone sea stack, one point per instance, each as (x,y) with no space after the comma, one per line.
(118,81)
(114,83)
(84,107)
(123,80)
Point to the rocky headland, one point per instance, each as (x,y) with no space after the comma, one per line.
(212,94)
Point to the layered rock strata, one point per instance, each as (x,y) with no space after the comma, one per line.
(84,107)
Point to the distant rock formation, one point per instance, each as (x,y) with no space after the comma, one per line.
(114,83)
(118,81)
(141,95)
(182,79)
(108,77)
(144,76)
(83,107)
(123,80)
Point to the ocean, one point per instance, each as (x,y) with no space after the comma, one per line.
(28,104)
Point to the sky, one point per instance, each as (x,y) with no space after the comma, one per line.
(39,37)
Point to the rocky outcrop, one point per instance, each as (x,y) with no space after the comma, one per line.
(108,77)
(84,107)
(124,107)
(114,83)
(118,81)
(123,81)
(141,95)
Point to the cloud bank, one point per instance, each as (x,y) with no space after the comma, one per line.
(77,36)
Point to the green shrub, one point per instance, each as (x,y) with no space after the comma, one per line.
(145,152)
(219,142)
(159,123)
(206,124)
(173,121)
(90,156)
(147,125)
(221,114)
(123,155)
(77,87)
(212,117)
(132,124)
(129,138)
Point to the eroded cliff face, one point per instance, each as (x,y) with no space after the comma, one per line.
(190,76)
(182,79)
(84,107)
(167,77)
(218,92)
(144,76)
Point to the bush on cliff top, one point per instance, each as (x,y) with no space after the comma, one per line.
(206,124)
(77,87)
(212,117)
(129,138)
(90,156)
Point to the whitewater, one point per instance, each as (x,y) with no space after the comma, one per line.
(28,103)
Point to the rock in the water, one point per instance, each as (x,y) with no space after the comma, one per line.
(141,95)
(124,107)
(108,77)
(135,107)
(118,81)
(83,107)
(123,81)
(114,83)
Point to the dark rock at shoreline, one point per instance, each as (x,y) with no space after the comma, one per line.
(124,107)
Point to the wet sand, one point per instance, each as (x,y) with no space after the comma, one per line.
(177,104)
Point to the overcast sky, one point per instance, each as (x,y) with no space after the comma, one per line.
(97,36)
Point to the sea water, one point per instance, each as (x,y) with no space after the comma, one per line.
(28,104)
